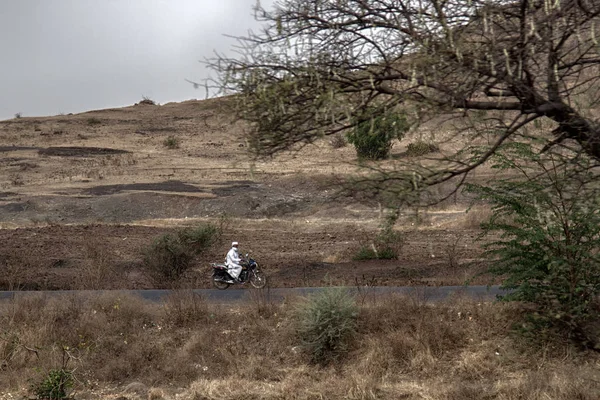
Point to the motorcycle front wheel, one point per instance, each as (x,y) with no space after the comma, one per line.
(219,284)
(258,279)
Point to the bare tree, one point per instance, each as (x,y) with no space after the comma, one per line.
(320,67)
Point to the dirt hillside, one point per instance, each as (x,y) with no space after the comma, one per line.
(82,195)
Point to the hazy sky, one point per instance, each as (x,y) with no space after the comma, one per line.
(77,55)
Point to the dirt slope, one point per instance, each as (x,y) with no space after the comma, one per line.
(79,193)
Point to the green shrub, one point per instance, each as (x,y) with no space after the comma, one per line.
(171,255)
(326,324)
(55,385)
(420,148)
(373,138)
(365,252)
(18,115)
(171,142)
(546,240)
(386,245)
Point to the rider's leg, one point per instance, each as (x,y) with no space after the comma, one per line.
(234,272)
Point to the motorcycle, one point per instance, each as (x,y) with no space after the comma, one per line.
(250,273)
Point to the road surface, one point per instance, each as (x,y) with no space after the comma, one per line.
(232,294)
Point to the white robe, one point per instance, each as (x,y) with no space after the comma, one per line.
(233,262)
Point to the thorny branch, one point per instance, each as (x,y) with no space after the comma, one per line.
(321,67)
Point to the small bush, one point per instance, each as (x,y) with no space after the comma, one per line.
(93,121)
(373,138)
(171,142)
(55,385)
(171,255)
(148,101)
(18,115)
(326,324)
(386,245)
(365,252)
(454,252)
(420,148)
(185,308)
(376,251)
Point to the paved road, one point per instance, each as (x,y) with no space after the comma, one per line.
(278,294)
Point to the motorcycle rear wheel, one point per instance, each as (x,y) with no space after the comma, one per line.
(220,284)
(258,279)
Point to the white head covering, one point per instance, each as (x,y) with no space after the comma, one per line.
(233,244)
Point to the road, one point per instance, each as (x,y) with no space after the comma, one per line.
(424,293)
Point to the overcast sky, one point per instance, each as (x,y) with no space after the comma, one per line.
(62,56)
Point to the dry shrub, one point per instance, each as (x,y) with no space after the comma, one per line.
(338,141)
(97,270)
(419,335)
(577,383)
(147,101)
(156,394)
(454,251)
(405,348)
(185,308)
(263,304)
(482,361)
(17,180)
(420,148)
(14,271)
(106,332)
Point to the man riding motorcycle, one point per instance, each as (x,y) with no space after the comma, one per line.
(234,262)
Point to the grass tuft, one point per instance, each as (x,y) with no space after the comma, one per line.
(171,142)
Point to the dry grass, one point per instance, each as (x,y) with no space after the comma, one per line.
(97,270)
(338,141)
(406,348)
(14,271)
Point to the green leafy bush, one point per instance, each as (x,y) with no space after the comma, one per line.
(55,385)
(420,148)
(373,139)
(326,324)
(546,241)
(171,255)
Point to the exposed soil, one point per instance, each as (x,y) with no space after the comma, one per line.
(168,186)
(55,255)
(79,151)
(5,149)
(91,198)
